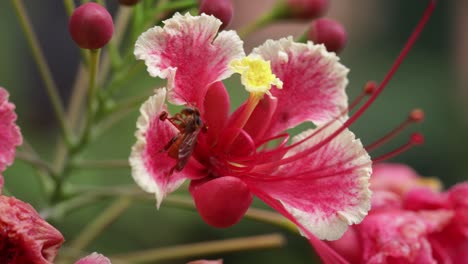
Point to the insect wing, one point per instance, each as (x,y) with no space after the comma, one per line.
(186,148)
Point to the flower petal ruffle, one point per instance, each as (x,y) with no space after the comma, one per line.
(10,135)
(189,54)
(24,236)
(151,165)
(325,190)
(313,83)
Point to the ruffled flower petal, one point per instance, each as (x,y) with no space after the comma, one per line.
(326,190)
(313,83)
(24,236)
(400,236)
(10,135)
(190,53)
(151,165)
(94,258)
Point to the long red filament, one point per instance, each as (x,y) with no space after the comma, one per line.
(416,139)
(404,52)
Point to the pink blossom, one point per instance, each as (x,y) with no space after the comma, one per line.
(411,221)
(318,181)
(94,258)
(24,236)
(10,135)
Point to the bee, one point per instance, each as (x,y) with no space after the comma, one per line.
(181,146)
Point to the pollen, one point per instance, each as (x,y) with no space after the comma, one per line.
(256,75)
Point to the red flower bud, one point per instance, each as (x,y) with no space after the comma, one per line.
(221,9)
(129,2)
(91,26)
(24,236)
(221,202)
(328,32)
(306,9)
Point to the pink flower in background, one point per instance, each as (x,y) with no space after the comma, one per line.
(10,135)
(94,258)
(204,261)
(24,236)
(411,221)
(319,180)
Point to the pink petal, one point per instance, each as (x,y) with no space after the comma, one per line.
(24,236)
(94,258)
(399,237)
(190,53)
(10,135)
(397,178)
(151,165)
(221,202)
(216,110)
(313,83)
(326,190)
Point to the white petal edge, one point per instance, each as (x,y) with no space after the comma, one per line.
(334,228)
(278,48)
(148,111)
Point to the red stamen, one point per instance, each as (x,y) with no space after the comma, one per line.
(404,52)
(415,139)
(417,115)
(369,88)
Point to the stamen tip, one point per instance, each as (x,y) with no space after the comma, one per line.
(417,138)
(417,115)
(370,87)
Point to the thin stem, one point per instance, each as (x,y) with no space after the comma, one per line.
(205,248)
(121,23)
(255,25)
(101,164)
(92,102)
(69,6)
(34,161)
(104,220)
(44,70)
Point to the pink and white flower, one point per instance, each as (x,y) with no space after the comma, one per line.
(94,258)
(24,236)
(411,221)
(10,135)
(319,180)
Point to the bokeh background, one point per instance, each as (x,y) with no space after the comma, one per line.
(433,77)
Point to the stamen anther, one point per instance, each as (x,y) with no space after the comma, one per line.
(414,140)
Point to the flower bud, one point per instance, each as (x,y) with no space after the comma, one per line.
(304,9)
(221,202)
(221,9)
(91,26)
(128,2)
(328,32)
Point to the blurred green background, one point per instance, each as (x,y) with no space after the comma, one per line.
(432,78)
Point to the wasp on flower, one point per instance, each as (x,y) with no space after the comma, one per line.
(319,181)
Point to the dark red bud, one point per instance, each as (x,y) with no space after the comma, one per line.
(306,9)
(221,202)
(129,2)
(91,26)
(221,9)
(328,32)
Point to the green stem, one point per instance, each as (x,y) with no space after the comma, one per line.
(69,6)
(204,248)
(44,70)
(257,24)
(104,220)
(101,164)
(92,102)
(34,161)
(46,177)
